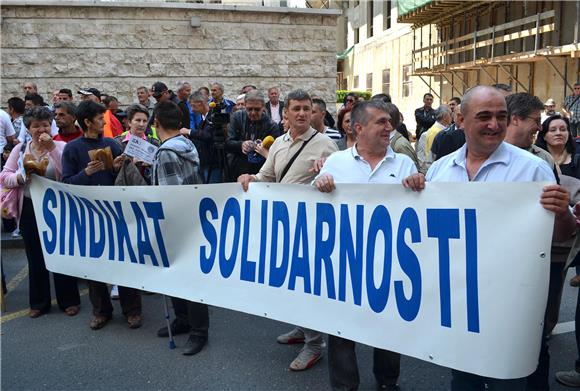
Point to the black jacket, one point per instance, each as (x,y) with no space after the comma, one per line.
(241,129)
(280,109)
(425,118)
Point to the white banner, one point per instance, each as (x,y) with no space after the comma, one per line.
(456,275)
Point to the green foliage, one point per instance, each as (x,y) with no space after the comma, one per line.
(340,94)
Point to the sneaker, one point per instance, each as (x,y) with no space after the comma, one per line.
(115,292)
(569,378)
(293,337)
(305,359)
(16,233)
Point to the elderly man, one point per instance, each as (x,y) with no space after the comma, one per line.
(370,160)
(274,107)
(450,139)
(247,128)
(217,96)
(144,98)
(487,158)
(183,91)
(549,109)
(442,121)
(290,161)
(29,88)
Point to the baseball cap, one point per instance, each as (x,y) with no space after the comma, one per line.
(550,102)
(90,91)
(158,88)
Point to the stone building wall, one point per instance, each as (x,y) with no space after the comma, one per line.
(117,47)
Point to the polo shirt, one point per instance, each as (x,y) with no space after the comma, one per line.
(349,167)
(285,147)
(507,163)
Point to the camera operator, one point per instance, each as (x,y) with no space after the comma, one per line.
(246,129)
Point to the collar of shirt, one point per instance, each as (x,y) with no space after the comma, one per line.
(128,136)
(304,136)
(499,156)
(389,155)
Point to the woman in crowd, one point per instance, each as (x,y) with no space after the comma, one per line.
(138,116)
(556,138)
(348,137)
(42,151)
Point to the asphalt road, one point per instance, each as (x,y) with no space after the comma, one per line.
(56,352)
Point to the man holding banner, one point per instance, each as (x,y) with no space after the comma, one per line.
(177,163)
(370,160)
(487,158)
(289,161)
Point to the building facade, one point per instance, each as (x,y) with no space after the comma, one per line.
(409,47)
(119,46)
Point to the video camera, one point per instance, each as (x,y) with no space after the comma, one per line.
(217,117)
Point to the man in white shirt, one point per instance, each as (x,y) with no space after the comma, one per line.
(370,160)
(274,107)
(485,157)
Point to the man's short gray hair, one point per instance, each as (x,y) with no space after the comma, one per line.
(360,111)
(69,107)
(197,97)
(219,85)
(441,112)
(255,96)
(181,84)
(296,95)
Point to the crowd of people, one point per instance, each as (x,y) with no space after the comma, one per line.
(488,135)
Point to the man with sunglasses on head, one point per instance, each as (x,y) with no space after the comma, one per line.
(246,129)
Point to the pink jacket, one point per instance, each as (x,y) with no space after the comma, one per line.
(9,175)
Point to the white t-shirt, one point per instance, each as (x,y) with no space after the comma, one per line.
(6,128)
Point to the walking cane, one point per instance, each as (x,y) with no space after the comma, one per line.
(171,341)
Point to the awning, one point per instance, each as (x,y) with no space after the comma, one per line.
(344,55)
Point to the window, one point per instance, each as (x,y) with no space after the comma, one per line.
(387,14)
(370,82)
(386,81)
(356,35)
(407,83)
(355,83)
(370,17)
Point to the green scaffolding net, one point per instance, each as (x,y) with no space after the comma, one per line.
(406,6)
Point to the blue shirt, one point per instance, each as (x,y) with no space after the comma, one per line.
(507,163)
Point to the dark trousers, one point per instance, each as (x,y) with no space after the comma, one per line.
(343,367)
(540,379)
(577,324)
(66,288)
(575,128)
(463,381)
(192,313)
(101,299)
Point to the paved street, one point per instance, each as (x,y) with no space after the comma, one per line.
(56,352)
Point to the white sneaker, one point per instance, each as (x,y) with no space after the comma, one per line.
(115,292)
(292,337)
(16,233)
(305,359)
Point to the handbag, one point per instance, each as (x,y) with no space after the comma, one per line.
(129,175)
(10,197)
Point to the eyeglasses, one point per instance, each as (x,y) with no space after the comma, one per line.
(537,120)
(256,109)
